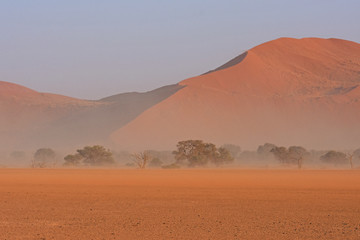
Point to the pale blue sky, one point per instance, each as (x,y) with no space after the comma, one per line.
(92,49)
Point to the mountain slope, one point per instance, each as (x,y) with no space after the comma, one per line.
(286,91)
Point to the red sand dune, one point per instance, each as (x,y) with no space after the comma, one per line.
(286,91)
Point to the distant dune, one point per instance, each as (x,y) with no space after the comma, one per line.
(287,91)
(25,111)
(30,119)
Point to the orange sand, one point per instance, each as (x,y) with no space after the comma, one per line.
(179,204)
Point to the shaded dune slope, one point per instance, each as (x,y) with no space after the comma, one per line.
(94,125)
(230,63)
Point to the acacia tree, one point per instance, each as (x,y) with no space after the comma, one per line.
(265,151)
(223,157)
(206,152)
(334,157)
(43,157)
(73,160)
(280,154)
(198,153)
(297,154)
(188,150)
(293,155)
(96,156)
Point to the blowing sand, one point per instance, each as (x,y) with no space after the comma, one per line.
(179,204)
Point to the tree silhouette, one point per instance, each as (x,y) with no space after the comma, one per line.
(43,157)
(197,153)
(334,157)
(265,151)
(293,155)
(73,160)
(91,155)
(297,154)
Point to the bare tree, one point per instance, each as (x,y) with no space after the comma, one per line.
(141,159)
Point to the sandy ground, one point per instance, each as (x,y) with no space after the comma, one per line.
(179,204)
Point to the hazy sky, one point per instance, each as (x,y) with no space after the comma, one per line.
(92,49)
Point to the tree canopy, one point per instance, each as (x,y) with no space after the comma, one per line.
(292,155)
(43,157)
(264,151)
(90,155)
(334,157)
(197,153)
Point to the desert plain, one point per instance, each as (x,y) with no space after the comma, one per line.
(179,204)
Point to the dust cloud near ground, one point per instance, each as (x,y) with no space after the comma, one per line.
(179,204)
